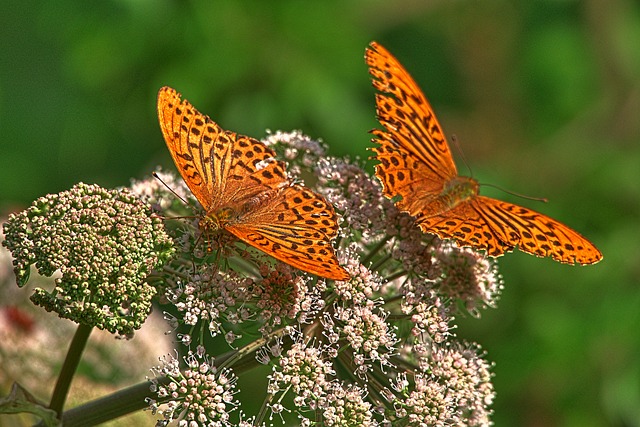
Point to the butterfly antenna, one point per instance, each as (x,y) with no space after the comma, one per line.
(537,199)
(454,141)
(156,176)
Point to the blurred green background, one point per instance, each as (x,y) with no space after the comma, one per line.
(543,97)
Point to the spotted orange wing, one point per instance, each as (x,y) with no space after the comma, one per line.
(245,191)
(416,165)
(295,226)
(220,167)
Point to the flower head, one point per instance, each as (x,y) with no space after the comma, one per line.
(468,276)
(452,387)
(302,152)
(346,406)
(355,195)
(280,296)
(103,242)
(200,395)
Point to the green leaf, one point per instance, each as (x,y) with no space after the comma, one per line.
(20,400)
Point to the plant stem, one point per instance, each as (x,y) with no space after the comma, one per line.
(69,367)
(127,400)
(375,250)
(112,406)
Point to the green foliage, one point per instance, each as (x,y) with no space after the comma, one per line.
(543,93)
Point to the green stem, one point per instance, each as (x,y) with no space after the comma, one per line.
(238,358)
(133,398)
(375,249)
(375,266)
(112,406)
(395,275)
(69,367)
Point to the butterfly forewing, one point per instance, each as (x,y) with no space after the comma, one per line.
(190,146)
(245,191)
(416,164)
(213,162)
(406,113)
(249,172)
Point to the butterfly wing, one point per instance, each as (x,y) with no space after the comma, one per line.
(535,233)
(294,225)
(465,225)
(190,147)
(415,163)
(409,120)
(401,173)
(497,227)
(217,165)
(239,173)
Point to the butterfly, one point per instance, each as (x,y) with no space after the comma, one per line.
(415,162)
(245,191)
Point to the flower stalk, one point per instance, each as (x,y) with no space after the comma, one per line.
(78,343)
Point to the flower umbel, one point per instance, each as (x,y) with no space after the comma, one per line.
(200,395)
(103,242)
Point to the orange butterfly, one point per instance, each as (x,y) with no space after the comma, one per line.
(416,163)
(246,192)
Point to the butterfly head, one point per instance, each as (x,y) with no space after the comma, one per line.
(218,219)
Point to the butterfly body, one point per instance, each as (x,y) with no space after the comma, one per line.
(417,167)
(245,191)
(458,190)
(218,219)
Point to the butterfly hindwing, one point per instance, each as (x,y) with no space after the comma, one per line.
(467,227)
(535,233)
(294,226)
(400,173)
